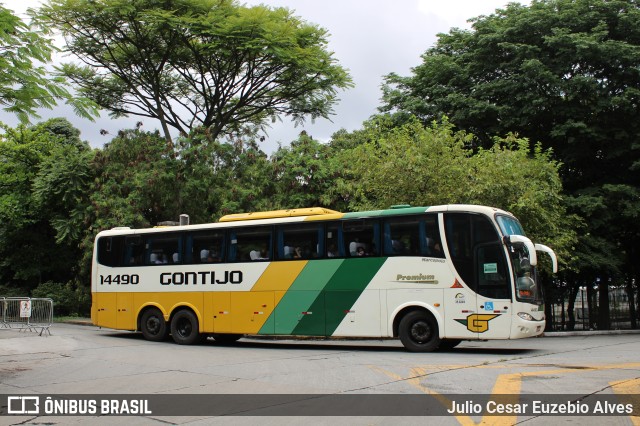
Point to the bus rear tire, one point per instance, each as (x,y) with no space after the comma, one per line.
(184,328)
(418,332)
(153,325)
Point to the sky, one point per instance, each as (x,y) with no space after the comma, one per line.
(370,38)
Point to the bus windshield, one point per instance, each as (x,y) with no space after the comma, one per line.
(509,225)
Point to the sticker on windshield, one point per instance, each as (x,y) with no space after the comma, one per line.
(490,268)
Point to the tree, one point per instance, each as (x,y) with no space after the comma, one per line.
(303,174)
(417,165)
(562,72)
(42,184)
(25,85)
(136,182)
(191,63)
(229,177)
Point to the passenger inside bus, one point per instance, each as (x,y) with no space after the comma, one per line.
(262,254)
(357,248)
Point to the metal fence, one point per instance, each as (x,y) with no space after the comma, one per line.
(26,313)
(619,311)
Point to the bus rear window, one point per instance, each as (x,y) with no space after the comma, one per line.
(110,251)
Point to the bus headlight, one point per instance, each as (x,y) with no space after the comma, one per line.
(525,316)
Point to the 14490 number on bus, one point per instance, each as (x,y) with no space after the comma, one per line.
(123,279)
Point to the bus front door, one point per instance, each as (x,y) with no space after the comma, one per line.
(493,286)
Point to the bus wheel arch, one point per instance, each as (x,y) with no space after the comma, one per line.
(152,324)
(185,326)
(418,329)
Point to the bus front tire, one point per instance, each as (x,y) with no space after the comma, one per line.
(184,328)
(418,332)
(153,325)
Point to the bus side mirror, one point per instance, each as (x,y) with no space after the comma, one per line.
(511,239)
(551,253)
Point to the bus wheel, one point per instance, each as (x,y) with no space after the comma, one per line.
(419,332)
(446,344)
(184,328)
(227,338)
(153,325)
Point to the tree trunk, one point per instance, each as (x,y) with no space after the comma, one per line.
(604,321)
(548,306)
(632,299)
(574,287)
(632,279)
(592,307)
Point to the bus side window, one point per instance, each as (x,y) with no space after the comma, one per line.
(252,244)
(207,247)
(361,237)
(134,250)
(163,249)
(432,242)
(401,236)
(300,241)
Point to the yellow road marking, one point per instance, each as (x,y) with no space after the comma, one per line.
(509,386)
(626,387)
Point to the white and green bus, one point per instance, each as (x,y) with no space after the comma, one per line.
(431,276)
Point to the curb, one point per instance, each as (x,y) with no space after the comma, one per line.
(589,333)
(78,321)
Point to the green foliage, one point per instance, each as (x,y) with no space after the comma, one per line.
(411,164)
(11,291)
(136,182)
(226,65)
(224,178)
(68,299)
(61,188)
(304,174)
(403,165)
(25,84)
(42,185)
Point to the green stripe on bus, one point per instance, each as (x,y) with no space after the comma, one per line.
(296,302)
(382,213)
(338,297)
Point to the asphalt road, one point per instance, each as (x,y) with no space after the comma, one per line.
(78,359)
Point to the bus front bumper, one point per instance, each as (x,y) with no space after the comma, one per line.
(522,328)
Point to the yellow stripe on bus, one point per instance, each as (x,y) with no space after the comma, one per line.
(245,312)
(279,276)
